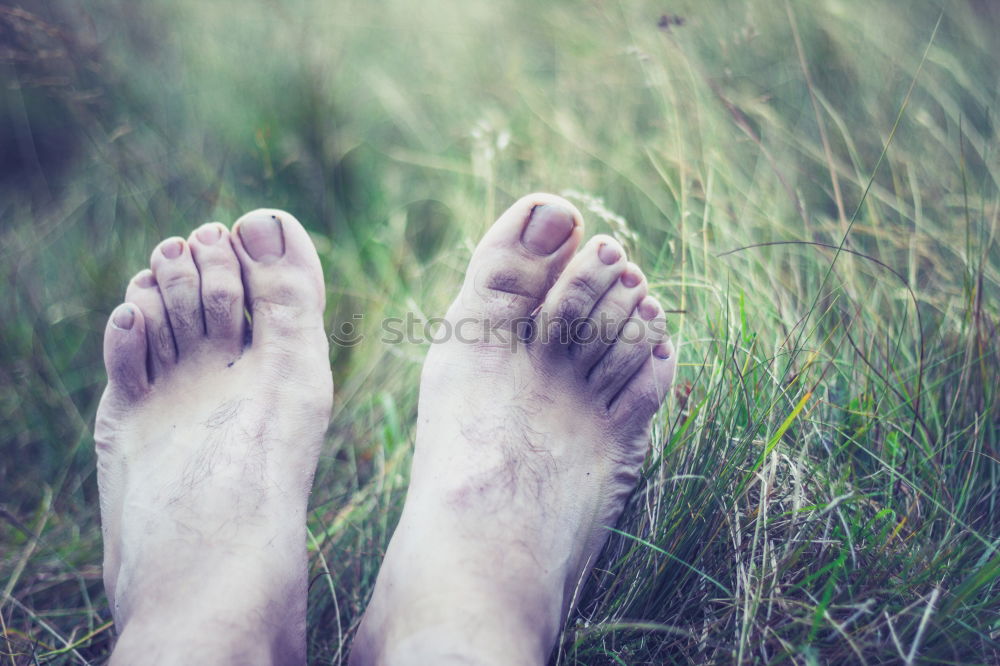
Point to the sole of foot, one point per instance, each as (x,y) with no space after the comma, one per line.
(533,425)
(208,435)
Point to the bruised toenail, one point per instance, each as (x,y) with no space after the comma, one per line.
(662,350)
(146,279)
(123,318)
(630,279)
(209,234)
(172,248)
(608,254)
(549,226)
(261,236)
(649,308)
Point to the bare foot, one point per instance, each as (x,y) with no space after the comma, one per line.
(524,453)
(207,445)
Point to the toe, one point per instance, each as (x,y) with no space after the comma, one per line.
(125,352)
(180,287)
(646,391)
(144,293)
(607,317)
(564,319)
(221,285)
(632,347)
(519,259)
(282,277)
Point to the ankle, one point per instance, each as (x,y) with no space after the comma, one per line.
(489,640)
(225,625)
(493,645)
(197,638)
(227,608)
(442,613)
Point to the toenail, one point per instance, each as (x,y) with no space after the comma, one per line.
(209,233)
(662,351)
(630,279)
(145,280)
(261,236)
(548,228)
(649,308)
(172,249)
(123,318)
(608,254)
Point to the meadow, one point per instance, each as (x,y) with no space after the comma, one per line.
(811,188)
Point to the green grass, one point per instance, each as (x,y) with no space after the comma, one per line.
(811,186)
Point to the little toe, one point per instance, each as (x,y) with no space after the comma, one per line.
(180,286)
(609,315)
(282,277)
(221,285)
(646,391)
(564,319)
(125,352)
(519,259)
(144,293)
(632,347)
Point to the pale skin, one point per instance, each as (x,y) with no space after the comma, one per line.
(208,439)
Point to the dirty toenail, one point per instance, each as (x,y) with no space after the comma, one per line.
(630,279)
(123,318)
(649,308)
(145,280)
(209,233)
(608,254)
(548,228)
(262,236)
(172,248)
(662,351)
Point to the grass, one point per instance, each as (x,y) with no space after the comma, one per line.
(811,187)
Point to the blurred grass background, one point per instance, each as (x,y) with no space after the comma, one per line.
(823,484)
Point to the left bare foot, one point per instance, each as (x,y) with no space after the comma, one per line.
(207,445)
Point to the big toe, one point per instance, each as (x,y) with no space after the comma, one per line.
(282,276)
(519,258)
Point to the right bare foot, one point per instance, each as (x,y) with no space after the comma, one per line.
(207,445)
(524,454)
